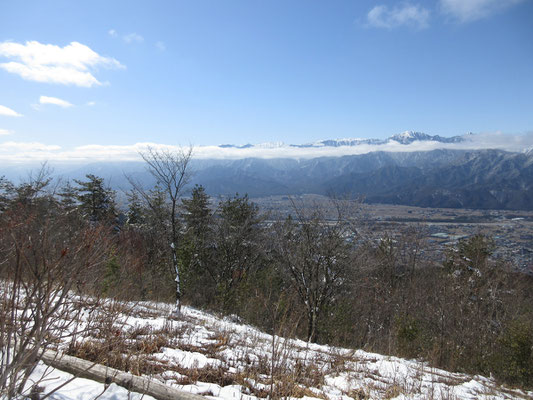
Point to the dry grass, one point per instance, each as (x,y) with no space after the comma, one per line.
(191,376)
(358,394)
(263,366)
(393,391)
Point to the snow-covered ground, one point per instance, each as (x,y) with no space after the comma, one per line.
(222,359)
(65,387)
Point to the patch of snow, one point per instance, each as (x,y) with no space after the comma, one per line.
(202,340)
(186,359)
(77,388)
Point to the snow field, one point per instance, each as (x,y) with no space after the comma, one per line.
(221,359)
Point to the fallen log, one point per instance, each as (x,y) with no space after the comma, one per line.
(86,369)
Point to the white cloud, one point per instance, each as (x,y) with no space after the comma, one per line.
(414,16)
(129,38)
(69,65)
(471,10)
(5,132)
(133,38)
(160,46)
(8,112)
(91,103)
(27,151)
(20,152)
(54,101)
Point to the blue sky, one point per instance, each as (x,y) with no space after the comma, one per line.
(200,72)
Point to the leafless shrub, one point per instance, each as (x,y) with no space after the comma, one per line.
(218,375)
(46,257)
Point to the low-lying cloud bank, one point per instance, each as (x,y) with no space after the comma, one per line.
(23,152)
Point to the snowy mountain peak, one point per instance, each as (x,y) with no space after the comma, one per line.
(405,138)
(410,136)
(270,145)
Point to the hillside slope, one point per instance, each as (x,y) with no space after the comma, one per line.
(223,359)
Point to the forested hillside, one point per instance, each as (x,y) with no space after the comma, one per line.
(481,179)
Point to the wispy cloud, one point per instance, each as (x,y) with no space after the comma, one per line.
(91,103)
(8,112)
(20,152)
(133,38)
(5,132)
(129,38)
(410,15)
(54,101)
(69,65)
(471,10)
(160,46)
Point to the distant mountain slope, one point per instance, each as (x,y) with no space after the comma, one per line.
(261,177)
(441,178)
(486,179)
(483,179)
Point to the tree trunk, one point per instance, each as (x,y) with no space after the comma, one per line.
(86,369)
(177,311)
(311,327)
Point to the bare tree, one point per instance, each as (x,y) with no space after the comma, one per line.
(172,172)
(315,252)
(45,254)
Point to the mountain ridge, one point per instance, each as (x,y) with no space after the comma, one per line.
(483,179)
(406,137)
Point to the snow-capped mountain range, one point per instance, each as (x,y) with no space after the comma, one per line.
(484,171)
(406,137)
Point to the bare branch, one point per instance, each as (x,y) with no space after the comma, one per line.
(172,172)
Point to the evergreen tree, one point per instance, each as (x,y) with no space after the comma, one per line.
(471,257)
(68,197)
(197,215)
(136,212)
(196,250)
(156,209)
(238,247)
(148,216)
(97,202)
(7,190)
